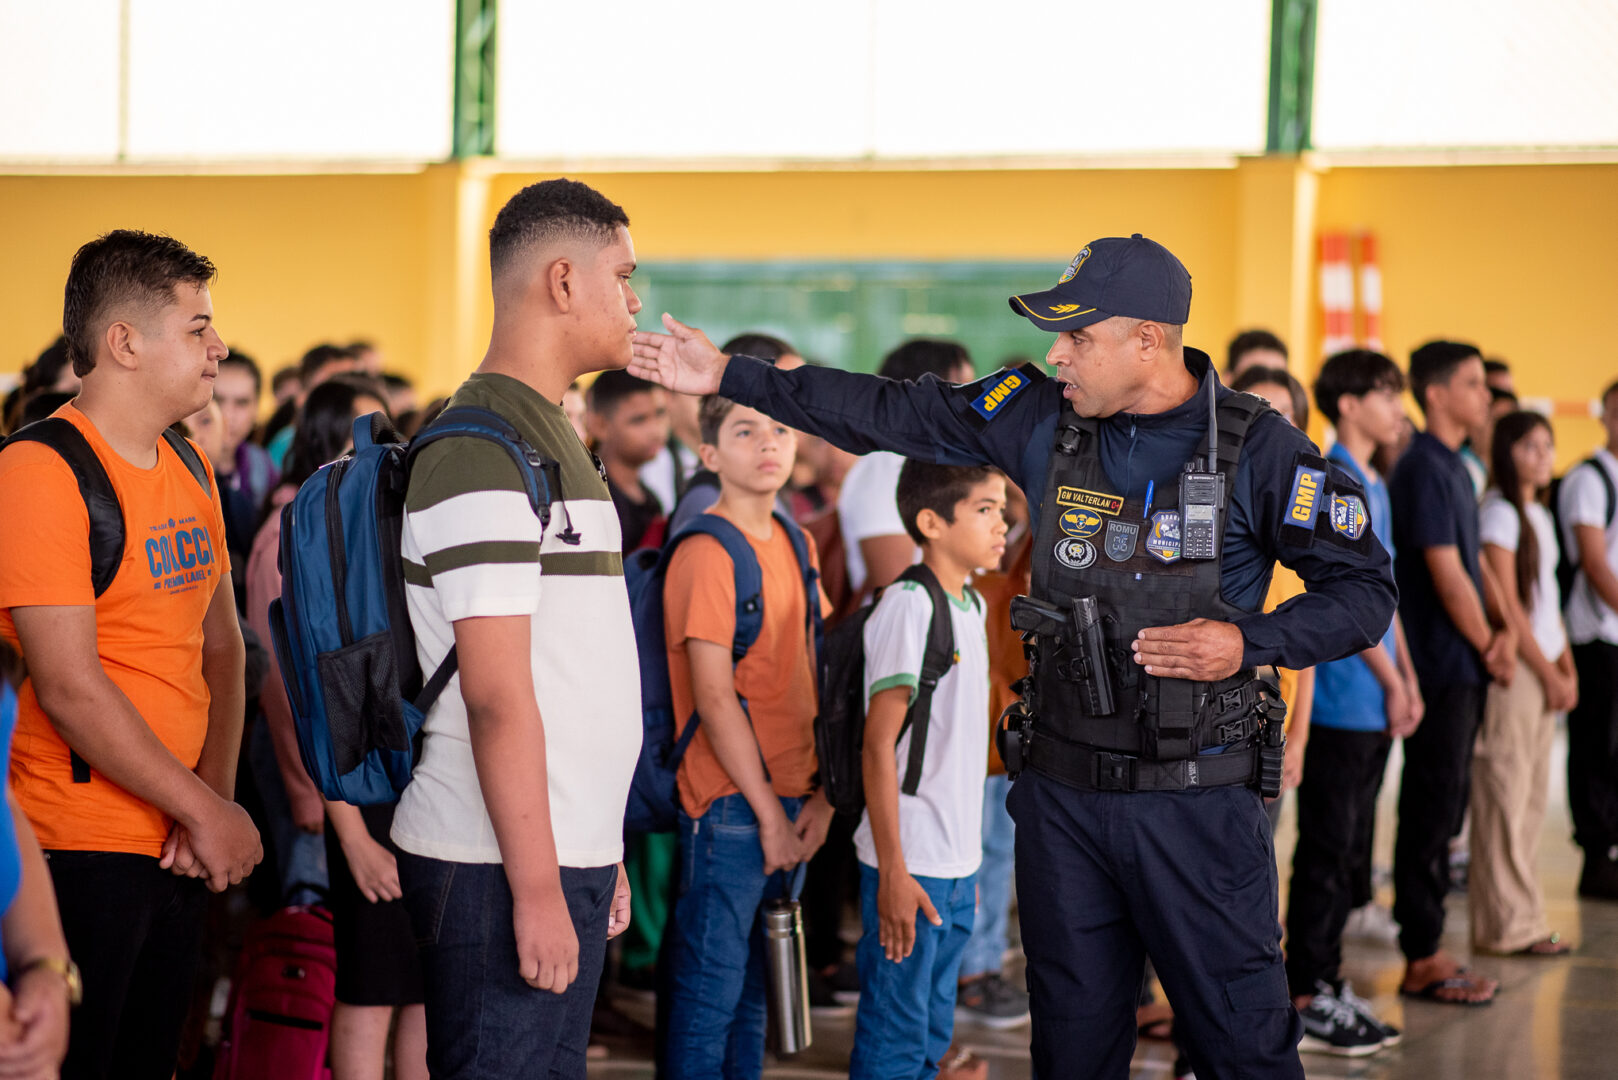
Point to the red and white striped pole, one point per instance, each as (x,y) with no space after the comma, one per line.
(1370,292)
(1336,292)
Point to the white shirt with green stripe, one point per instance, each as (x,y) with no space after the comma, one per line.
(473,547)
(941,825)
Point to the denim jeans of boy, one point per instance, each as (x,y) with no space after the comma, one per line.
(483,1020)
(907,1009)
(718,1013)
(985,953)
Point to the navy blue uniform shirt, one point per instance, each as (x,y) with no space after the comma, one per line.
(1434,505)
(1350,598)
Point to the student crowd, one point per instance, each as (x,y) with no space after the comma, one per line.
(470,921)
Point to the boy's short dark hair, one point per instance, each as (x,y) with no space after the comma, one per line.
(1612,388)
(551,210)
(1497,395)
(610,388)
(1434,363)
(47,367)
(248,364)
(395,381)
(317,358)
(124,267)
(1494,366)
(1355,372)
(1248,340)
(924,356)
(711,415)
(762,346)
(283,375)
(925,486)
(1258,376)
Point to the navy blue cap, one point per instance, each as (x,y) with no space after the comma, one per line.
(1133,277)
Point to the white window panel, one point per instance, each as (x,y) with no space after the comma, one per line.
(58,80)
(700,78)
(1062,77)
(1466,73)
(300,79)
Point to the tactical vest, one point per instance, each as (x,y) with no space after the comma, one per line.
(1094,544)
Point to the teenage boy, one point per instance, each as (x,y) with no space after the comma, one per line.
(511,830)
(130,721)
(1361,704)
(237,389)
(1589,517)
(749,813)
(919,854)
(628,420)
(1443,588)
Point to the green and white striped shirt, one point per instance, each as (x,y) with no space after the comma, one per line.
(473,547)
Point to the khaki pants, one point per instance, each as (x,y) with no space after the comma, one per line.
(1510,773)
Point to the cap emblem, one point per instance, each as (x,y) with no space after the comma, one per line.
(1063,309)
(1073,267)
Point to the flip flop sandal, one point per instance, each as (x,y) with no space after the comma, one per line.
(1457,981)
(1551,946)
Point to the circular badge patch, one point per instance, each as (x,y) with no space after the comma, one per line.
(1075,554)
(1081,523)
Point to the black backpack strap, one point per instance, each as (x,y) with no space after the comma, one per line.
(1607,484)
(95,487)
(188,454)
(936,660)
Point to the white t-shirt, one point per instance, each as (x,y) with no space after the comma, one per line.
(941,825)
(658,473)
(1584,502)
(1499,525)
(866,508)
(473,546)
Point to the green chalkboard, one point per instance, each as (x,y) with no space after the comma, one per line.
(849,314)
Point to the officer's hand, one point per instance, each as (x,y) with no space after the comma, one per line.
(1202,649)
(898,898)
(683,360)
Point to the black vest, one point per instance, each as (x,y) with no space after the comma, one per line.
(1094,544)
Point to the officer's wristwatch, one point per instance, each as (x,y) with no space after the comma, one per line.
(67,969)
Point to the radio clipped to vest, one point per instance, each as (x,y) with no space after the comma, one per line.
(1202,495)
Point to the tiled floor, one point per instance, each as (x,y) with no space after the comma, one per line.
(1554,1019)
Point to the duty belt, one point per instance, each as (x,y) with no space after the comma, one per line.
(1089,769)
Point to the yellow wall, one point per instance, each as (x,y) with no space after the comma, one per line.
(1516,258)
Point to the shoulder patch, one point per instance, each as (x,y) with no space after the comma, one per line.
(988,396)
(1304,498)
(1348,515)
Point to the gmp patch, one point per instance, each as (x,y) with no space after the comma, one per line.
(1348,516)
(1000,391)
(1081,523)
(1075,554)
(1303,504)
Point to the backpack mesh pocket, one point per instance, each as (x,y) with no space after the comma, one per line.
(360,683)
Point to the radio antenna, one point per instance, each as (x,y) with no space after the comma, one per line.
(1213,426)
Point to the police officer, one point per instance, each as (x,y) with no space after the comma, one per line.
(1149,724)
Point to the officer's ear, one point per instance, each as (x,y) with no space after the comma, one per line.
(1153,339)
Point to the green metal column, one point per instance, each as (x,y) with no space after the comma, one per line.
(474,78)
(1292,75)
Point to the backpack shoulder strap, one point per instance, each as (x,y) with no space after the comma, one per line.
(1594,461)
(188,455)
(95,487)
(936,660)
(749,575)
(541,476)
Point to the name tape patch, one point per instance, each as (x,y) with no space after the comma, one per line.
(1308,488)
(1098,501)
(1000,391)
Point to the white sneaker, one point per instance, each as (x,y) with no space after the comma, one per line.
(1390,1034)
(1373,923)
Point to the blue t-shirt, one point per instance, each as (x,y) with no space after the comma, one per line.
(10,857)
(1434,505)
(1348,696)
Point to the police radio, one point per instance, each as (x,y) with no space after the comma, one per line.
(1202,495)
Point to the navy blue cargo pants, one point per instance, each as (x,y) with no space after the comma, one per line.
(1105,879)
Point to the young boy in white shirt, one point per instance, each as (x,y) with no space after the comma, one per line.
(919,854)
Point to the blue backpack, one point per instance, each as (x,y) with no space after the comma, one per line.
(654,798)
(342,628)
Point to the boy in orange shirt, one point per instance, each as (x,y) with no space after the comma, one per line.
(748,808)
(130,721)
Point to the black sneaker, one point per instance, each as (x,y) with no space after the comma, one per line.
(1332,1026)
(1390,1034)
(991,1001)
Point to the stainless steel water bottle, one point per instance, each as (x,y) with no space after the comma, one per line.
(788,975)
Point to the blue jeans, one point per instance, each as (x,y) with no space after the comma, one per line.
(907,1010)
(717,1013)
(300,857)
(985,953)
(483,1020)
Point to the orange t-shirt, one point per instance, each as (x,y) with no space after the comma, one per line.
(148,624)
(776,678)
